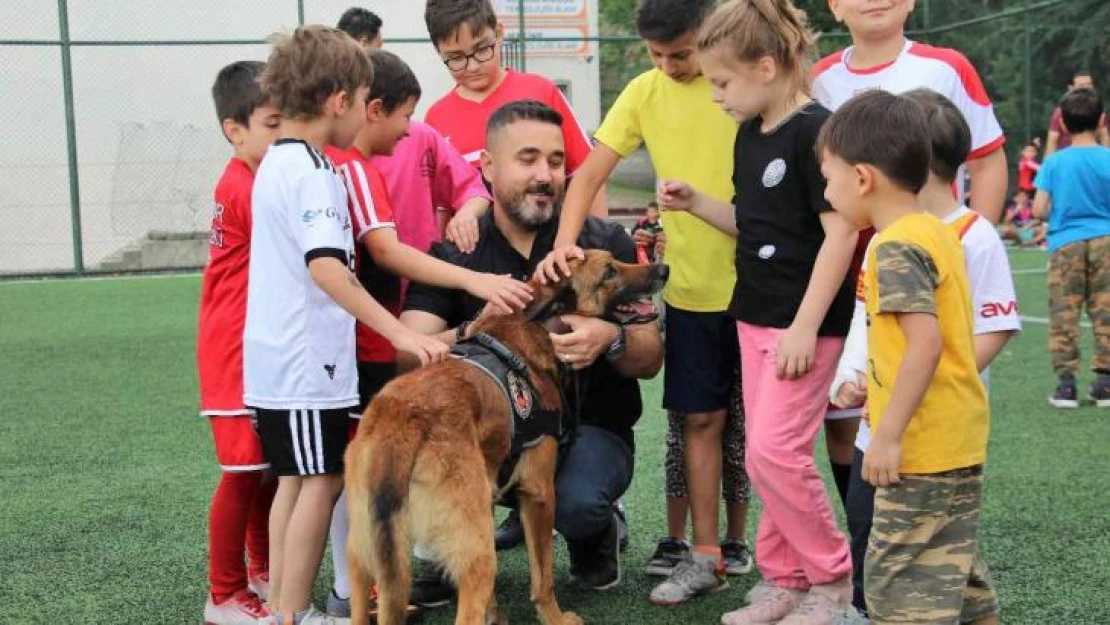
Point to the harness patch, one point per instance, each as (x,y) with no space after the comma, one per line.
(520,395)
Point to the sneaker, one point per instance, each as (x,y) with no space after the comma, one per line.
(596,564)
(1066,395)
(622,519)
(818,609)
(738,560)
(668,553)
(312,616)
(341,608)
(337,606)
(432,588)
(766,604)
(510,534)
(689,579)
(260,585)
(1100,391)
(243,608)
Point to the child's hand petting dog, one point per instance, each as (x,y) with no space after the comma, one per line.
(502,292)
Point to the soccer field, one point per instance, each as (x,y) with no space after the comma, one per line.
(107,470)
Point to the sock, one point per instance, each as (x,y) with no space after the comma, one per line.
(227,533)
(842,474)
(708,553)
(258,528)
(342,586)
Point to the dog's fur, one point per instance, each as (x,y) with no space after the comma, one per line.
(424,463)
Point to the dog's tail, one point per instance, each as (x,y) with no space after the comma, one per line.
(388,471)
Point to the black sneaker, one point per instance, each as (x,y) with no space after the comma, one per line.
(738,560)
(668,553)
(510,534)
(432,589)
(1100,391)
(596,563)
(1065,395)
(622,519)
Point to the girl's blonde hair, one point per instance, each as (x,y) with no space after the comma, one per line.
(753,29)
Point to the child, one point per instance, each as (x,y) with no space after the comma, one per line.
(1027,168)
(302,302)
(381,259)
(468,38)
(791,302)
(881,57)
(994,304)
(240,507)
(646,233)
(1073,193)
(669,110)
(928,408)
(364,26)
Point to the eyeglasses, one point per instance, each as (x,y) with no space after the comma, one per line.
(480,55)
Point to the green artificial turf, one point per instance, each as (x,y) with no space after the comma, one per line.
(106,471)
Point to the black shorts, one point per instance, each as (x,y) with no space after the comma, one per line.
(303,442)
(372,377)
(702,353)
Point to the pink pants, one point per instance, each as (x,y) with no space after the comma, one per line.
(798,544)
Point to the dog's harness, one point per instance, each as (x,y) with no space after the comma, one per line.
(530,422)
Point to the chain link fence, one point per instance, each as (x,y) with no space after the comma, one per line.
(112,147)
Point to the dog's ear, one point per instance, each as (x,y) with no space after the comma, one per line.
(551,300)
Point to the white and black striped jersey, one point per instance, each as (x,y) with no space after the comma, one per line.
(298,344)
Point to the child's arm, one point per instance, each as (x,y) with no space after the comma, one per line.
(993,297)
(458,187)
(675,195)
(505,293)
(798,345)
(462,228)
(849,387)
(1042,204)
(988,346)
(989,181)
(924,345)
(588,180)
(333,278)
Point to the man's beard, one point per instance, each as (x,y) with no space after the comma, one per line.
(528,214)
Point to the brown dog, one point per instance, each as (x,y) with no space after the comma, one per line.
(424,463)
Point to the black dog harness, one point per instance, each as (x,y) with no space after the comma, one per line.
(530,422)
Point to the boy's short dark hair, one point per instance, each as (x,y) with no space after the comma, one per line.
(883,130)
(667,20)
(238,91)
(394,83)
(309,66)
(445,17)
(1082,110)
(521,110)
(360,23)
(949,134)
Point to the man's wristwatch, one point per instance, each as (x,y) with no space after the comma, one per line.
(619,344)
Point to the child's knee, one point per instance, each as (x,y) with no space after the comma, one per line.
(704,424)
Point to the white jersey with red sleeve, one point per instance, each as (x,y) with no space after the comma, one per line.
(943,70)
(223,296)
(371,209)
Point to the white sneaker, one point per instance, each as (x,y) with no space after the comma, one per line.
(312,616)
(260,586)
(689,579)
(243,608)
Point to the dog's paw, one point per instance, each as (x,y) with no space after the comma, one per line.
(570,618)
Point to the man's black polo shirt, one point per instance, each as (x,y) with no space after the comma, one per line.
(609,400)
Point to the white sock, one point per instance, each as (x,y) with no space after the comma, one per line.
(342,585)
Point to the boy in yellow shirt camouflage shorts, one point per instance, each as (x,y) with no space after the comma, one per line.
(927,405)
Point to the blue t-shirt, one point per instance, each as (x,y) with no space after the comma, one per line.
(1078,179)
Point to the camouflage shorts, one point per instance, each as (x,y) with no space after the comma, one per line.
(922,564)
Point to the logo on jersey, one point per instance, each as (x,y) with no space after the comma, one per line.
(331,371)
(311,215)
(991,310)
(775,172)
(767,251)
(519,395)
(216,236)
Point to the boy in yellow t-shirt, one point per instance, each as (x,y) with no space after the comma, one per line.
(927,405)
(670,111)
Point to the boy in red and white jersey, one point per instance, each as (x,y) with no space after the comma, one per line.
(468,38)
(240,510)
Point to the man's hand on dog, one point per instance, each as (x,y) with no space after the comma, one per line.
(502,292)
(588,338)
(556,265)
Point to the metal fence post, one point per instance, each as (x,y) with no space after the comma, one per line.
(1027,71)
(520,35)
(71,137)
(300,12)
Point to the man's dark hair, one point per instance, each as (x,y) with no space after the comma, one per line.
(444,18)
(667,20)
(393,83)
(949,133)
(519,111)
(886,131)
(1082,110)
(238,91)
(360,23)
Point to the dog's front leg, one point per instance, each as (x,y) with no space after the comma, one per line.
(537,513)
